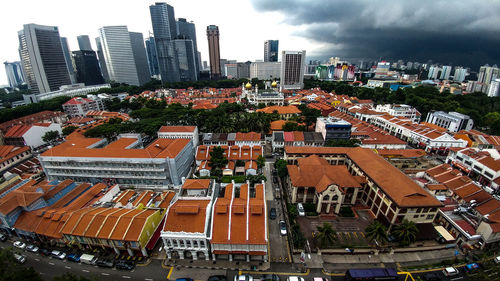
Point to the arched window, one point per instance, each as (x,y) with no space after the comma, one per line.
(335,198)
(326,198)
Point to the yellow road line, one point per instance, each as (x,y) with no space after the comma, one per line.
(146,263)
(170,272)
(355,235)
(408,274)
(288,250)
(363,234)
(347,233)
(332,274)
(436,269)
(277,273)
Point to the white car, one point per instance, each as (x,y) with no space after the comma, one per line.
(294,278)
(19,244)
(58,255)
(497,259)
(450,271)
(300,209)
(244,277)
(282,225)
(32,248)
(19,258)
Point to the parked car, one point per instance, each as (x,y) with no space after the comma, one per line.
(471,267)
(3,237)
(270,277)
(432,277)
(184,279)
(45,252)
(32,248)
(217,278)
(277,193)
(105,263)
(88,259)
(319,279)
(450,271)
(272,213)
(20,258)
(58,254)
(294,278)
(244,277)
(282,227)
(20,245)
(300,209)
(73,257)
(125,265)
(497,259)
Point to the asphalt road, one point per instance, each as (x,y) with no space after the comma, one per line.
(278,244)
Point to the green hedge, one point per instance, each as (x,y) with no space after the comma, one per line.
(346,212)
(237,179)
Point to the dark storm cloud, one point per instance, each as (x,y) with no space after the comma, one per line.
(460,32)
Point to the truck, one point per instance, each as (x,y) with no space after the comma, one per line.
(88,259)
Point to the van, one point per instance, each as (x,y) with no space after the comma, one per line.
(88,259)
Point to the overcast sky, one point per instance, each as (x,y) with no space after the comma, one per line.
(460,32)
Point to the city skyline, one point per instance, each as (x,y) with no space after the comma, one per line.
(297,25)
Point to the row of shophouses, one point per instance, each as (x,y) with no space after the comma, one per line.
(200,220)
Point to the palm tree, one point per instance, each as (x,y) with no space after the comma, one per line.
(406,232)
(376,231)
(326,235)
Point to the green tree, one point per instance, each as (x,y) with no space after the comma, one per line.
(10,270)
(261,161)
(406,232)
(281,168)
(240,163)
(50,136)
(68,130)
(217,158)
(326,235)
(290,126)
(376,231)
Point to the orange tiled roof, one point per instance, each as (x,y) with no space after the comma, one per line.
(290,109)
(220,218)
(187,216)
(196,184)
(167,129)
(8,152)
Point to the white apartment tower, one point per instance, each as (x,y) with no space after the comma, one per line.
(292,69)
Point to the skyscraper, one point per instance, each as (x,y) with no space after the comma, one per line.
(141,60)
(188,30)
(187,61)
(14,71)
(445,72)
(460,74)
(486,75)
(271,50)
(42,56)
(152,57)
(165,30)
(214,51)
(87,68)
(67,58)
(118,54)
(84,43)
(292,69)
(102,60)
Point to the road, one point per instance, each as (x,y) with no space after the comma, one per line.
(278,244)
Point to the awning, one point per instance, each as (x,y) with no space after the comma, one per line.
(152,242)
(444,233)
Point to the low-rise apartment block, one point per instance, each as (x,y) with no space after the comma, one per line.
(180,132)
(452,121)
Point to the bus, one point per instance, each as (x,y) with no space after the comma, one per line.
(371,274)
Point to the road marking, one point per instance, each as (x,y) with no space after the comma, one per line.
(278,273)
(126,277)
(355,235)
(148,279)
(170,272)
(458,278)
(67,267)
(104,273)
(37,259)
(84,270)
(51,263)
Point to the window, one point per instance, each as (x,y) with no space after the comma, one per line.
(429,217)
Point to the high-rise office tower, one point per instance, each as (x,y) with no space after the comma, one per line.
(187,60)
(102,60)
(87,69)
(118,54)
(42,56)
(67,58)
(292,69)
(165,31)
(214,51)
(433,72)
(140,57)
(188,30)
(271,50)
(486,75)
(152,57)
(84,43)
(14,71)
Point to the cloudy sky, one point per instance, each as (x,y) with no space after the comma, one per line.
(463,32)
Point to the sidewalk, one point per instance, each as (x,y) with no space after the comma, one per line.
(220,264)
(339,263)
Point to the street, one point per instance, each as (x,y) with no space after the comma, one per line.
(278,244)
